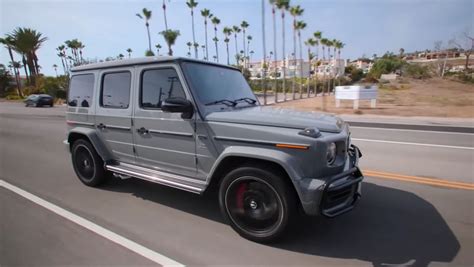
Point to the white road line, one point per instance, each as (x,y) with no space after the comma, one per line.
(412,144)
(127,243)
(409,130)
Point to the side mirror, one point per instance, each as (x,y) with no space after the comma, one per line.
(178,105)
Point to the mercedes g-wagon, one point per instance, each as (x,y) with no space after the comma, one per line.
(194,125)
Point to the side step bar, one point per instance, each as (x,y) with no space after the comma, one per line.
(154,176)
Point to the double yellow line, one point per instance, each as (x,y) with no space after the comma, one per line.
(420,180)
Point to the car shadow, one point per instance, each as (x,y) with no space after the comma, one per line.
(389,226)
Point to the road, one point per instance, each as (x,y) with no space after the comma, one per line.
(399,220)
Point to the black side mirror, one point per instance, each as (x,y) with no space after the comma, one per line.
(178,105)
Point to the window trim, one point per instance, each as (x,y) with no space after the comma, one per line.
(92,92)
(101,95)
(140,89)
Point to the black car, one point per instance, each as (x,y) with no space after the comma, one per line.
(39,100)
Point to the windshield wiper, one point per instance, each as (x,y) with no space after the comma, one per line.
(226,102)
(246,99)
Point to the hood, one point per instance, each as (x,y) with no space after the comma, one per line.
(278,117)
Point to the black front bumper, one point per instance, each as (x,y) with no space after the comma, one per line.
(342,191)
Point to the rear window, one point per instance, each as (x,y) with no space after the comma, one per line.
(116,90)
(80,90)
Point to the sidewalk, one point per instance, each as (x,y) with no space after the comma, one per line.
(426,121)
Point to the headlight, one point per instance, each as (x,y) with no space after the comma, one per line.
(331,153)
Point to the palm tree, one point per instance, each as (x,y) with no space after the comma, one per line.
(55,67)
(236,31)
(129,51)
(216,56)
(283,5)
(215,21)
(120,56)
(295,11)
(26,42)
(170,38)
(193,4)
(164,15)
(339,46)
(62,54)
(264,72)
(8,42)
(310,43)
(158,47)
(244,25)
(189,44)
(300,25)
(275,85)
(146,16)
(317,36)
(250,55)
(249,38)
(227,32)
(206,13)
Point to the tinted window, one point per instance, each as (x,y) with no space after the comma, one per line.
(80,90)
(213,83)
(158,85)
(115,90)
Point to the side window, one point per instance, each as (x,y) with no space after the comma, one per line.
(115,90)
(81,90)
(158,85)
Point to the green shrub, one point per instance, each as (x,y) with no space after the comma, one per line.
(416,71)
(13,97)
(386,65)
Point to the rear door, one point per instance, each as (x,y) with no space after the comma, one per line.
(163,141)
(114,112)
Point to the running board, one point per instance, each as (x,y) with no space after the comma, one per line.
(168,179)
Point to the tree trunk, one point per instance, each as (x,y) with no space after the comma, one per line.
(236,50)
(466,65)
(293,86)
(217,50)
(205,33)
(164,15)
(283,51)
(227,49)
(149,38)
(17,74)
(243,33)
(309,72)
(25,68)
(194,35)
(264,55)
(301,63)
(275,89)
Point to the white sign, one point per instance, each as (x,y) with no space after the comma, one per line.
(356,93)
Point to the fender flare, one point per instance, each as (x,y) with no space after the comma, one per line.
(91,134)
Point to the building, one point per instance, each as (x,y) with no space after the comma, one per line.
(293,68)
(363,64)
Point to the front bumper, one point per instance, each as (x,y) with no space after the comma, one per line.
(342,191)
(335,195)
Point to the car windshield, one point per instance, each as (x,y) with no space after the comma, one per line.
(32,96)
(219,87)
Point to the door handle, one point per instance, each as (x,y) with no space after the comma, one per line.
(142,130)
(101,126)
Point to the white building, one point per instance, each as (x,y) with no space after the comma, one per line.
(329,68)
(363,64)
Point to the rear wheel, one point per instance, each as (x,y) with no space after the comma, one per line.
(258,203)
(87,164)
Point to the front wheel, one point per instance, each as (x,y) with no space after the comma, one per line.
(258,203)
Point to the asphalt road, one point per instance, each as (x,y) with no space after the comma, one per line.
(397,222)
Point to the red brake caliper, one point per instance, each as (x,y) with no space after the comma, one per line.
(240,195)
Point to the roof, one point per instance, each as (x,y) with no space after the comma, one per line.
(140,61)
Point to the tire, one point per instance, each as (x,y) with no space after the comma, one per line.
(87,164)
(258,203)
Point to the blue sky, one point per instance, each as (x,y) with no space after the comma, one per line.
(109,27)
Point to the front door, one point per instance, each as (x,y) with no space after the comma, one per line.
(163,141)
(114,112)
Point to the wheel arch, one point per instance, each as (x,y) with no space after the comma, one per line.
(91,136)
(273,160)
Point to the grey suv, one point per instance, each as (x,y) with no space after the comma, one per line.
(195,125)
